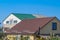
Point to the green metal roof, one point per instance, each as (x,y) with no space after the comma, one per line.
(24,16)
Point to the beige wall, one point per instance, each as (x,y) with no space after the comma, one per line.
(31,37)
(8,25)
(13,37)
(48,28)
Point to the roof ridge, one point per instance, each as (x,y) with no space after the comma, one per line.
(18,13)
(39,18)
(48,21)
(24,16)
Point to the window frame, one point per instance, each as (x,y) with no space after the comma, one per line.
(15,21)
(7,22)
(54,25)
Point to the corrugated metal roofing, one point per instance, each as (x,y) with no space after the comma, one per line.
(31,25)
(24,16)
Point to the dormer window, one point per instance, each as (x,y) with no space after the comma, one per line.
(15,21)
(7,22)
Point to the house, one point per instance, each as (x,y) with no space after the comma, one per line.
(15,18)
(33,28)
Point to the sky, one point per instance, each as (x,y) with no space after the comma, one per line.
(42,7)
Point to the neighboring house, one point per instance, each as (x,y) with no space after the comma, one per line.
(32,28)
(15,18)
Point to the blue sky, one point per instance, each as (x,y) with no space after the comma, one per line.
(43,7)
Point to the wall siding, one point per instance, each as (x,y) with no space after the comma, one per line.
(48,28)
(11,16)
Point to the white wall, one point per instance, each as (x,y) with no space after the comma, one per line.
(11,17)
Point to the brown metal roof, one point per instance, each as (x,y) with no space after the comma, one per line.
(31,25)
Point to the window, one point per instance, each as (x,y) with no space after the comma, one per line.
(15,21)
(54,26)
(26,38)
(7,22)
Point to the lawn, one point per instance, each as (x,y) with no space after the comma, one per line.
(54,38)
(51,38)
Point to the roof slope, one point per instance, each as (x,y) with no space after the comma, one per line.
(24,16)
(32,25)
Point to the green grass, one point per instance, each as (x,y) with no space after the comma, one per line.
(55,38)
